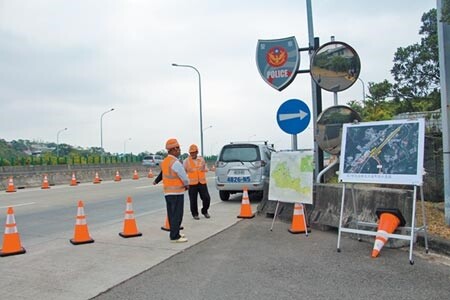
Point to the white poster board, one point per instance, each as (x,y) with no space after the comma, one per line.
(291,177)
(388,152)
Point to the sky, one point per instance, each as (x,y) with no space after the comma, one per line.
(64,63)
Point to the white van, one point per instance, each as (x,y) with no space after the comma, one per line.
(243,164)
(152,160)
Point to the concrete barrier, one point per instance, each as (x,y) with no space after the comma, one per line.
(31,176)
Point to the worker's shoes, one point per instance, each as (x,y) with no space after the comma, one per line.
(196,217)
(180,240)
(207,215)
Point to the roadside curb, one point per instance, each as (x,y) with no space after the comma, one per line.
(435,243)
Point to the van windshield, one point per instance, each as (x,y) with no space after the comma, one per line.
(240,153)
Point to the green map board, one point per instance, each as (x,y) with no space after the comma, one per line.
(387,152)
(291,177)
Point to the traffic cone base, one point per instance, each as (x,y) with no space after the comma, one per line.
(74,242)
(246,209)
(390,219)
(298,220)
(21,251)
(11,238)
(81,232)
(129,223)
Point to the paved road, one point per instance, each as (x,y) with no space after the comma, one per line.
(247,261)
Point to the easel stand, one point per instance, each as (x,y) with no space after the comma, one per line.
(409,237)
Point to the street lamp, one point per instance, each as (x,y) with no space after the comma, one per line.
(210,126)
(250,137)
(200,100)
(57,141)
(364,88)
(125,145)
(101,127)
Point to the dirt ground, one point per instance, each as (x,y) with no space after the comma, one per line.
(435,216)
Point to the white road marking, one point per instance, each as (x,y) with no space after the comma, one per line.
(16,205)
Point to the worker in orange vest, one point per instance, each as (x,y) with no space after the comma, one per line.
(175,183)
(195,167)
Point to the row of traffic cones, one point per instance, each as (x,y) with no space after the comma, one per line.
(11,239)
(73,182)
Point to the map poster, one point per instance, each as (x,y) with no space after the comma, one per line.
(388,152)
(291,177)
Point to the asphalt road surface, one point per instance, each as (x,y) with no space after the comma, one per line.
(247,261)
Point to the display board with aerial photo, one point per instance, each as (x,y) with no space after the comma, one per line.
(291,177)
(388,152)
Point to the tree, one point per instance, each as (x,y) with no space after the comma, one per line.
(416,70)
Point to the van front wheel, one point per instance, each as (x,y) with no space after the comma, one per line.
(224,196)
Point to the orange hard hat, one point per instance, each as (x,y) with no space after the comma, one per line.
(193,148)
(172,143)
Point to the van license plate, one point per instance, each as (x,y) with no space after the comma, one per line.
(238,179)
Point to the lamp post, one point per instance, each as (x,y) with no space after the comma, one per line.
(200,101)
(364,88)
(210,126)
(125,145)
(57,141)
(101,127)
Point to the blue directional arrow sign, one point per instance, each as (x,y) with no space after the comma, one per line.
(293,116)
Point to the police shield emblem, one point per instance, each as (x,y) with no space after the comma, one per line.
(278,61)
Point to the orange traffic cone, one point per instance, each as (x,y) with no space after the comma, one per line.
(117,177)
(45,184)
(74,181)
(166,226)
(298,220)
(11,188)
(135,175)
(150,173)
(246,209)
(129,223)
(96,178)
(213,168)
(11,238)
(390,219)
(81,233)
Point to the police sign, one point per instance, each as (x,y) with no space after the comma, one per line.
(278,61)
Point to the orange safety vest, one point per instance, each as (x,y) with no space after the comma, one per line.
(195,170)
(172,184)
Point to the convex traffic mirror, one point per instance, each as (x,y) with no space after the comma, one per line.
(329,127)
(335,66)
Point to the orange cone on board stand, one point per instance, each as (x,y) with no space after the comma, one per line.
(96,178)
(73,181)
(45,184)
(166,226)
(135,175)
(298,220)
(213,168)
(390,219)
(246,209)
(117,177)
(150,173)
(11,188)
(129,223)
(81,232)
(11,238)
